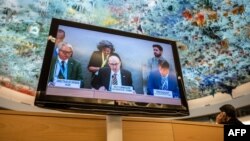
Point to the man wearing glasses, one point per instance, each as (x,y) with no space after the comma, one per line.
(64,66)
(113,75)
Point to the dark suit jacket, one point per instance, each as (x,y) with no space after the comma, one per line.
(154,82)
(96,59)
(103,78)
(74,70)
(233,121)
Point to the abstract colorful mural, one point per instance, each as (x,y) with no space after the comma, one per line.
(213,36)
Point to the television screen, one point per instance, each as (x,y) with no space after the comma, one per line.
(101,70)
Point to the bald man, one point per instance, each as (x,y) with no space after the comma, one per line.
(113,75)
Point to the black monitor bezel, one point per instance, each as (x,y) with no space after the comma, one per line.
(77,104)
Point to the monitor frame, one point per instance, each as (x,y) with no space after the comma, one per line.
(78,104)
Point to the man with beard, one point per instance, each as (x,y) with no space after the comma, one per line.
(153,62)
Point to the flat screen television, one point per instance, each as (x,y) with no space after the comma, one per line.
(148,77)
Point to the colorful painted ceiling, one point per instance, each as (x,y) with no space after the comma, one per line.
(213,35)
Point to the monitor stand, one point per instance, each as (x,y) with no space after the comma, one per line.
(114,127)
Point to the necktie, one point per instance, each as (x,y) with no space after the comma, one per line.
(114,79)
(164,83)
(61,72)
(63,68)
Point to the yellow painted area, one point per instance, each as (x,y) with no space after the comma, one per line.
(20,41)
(109,21)
(71,11)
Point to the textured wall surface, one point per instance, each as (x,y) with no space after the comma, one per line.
(213,36)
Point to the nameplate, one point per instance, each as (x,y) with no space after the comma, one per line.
(122,89)
(67,83)
(163,93)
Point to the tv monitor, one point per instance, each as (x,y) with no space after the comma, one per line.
(137,60)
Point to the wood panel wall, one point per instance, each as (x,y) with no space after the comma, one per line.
(26,126)
(138,129)
(32,126)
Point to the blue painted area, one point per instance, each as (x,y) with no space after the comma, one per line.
(216,57)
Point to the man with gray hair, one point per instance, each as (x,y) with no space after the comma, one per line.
(64,66)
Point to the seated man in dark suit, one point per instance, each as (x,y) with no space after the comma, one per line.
(113,75)
(63,66)
(99,59)
(228,115)
(162,79)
